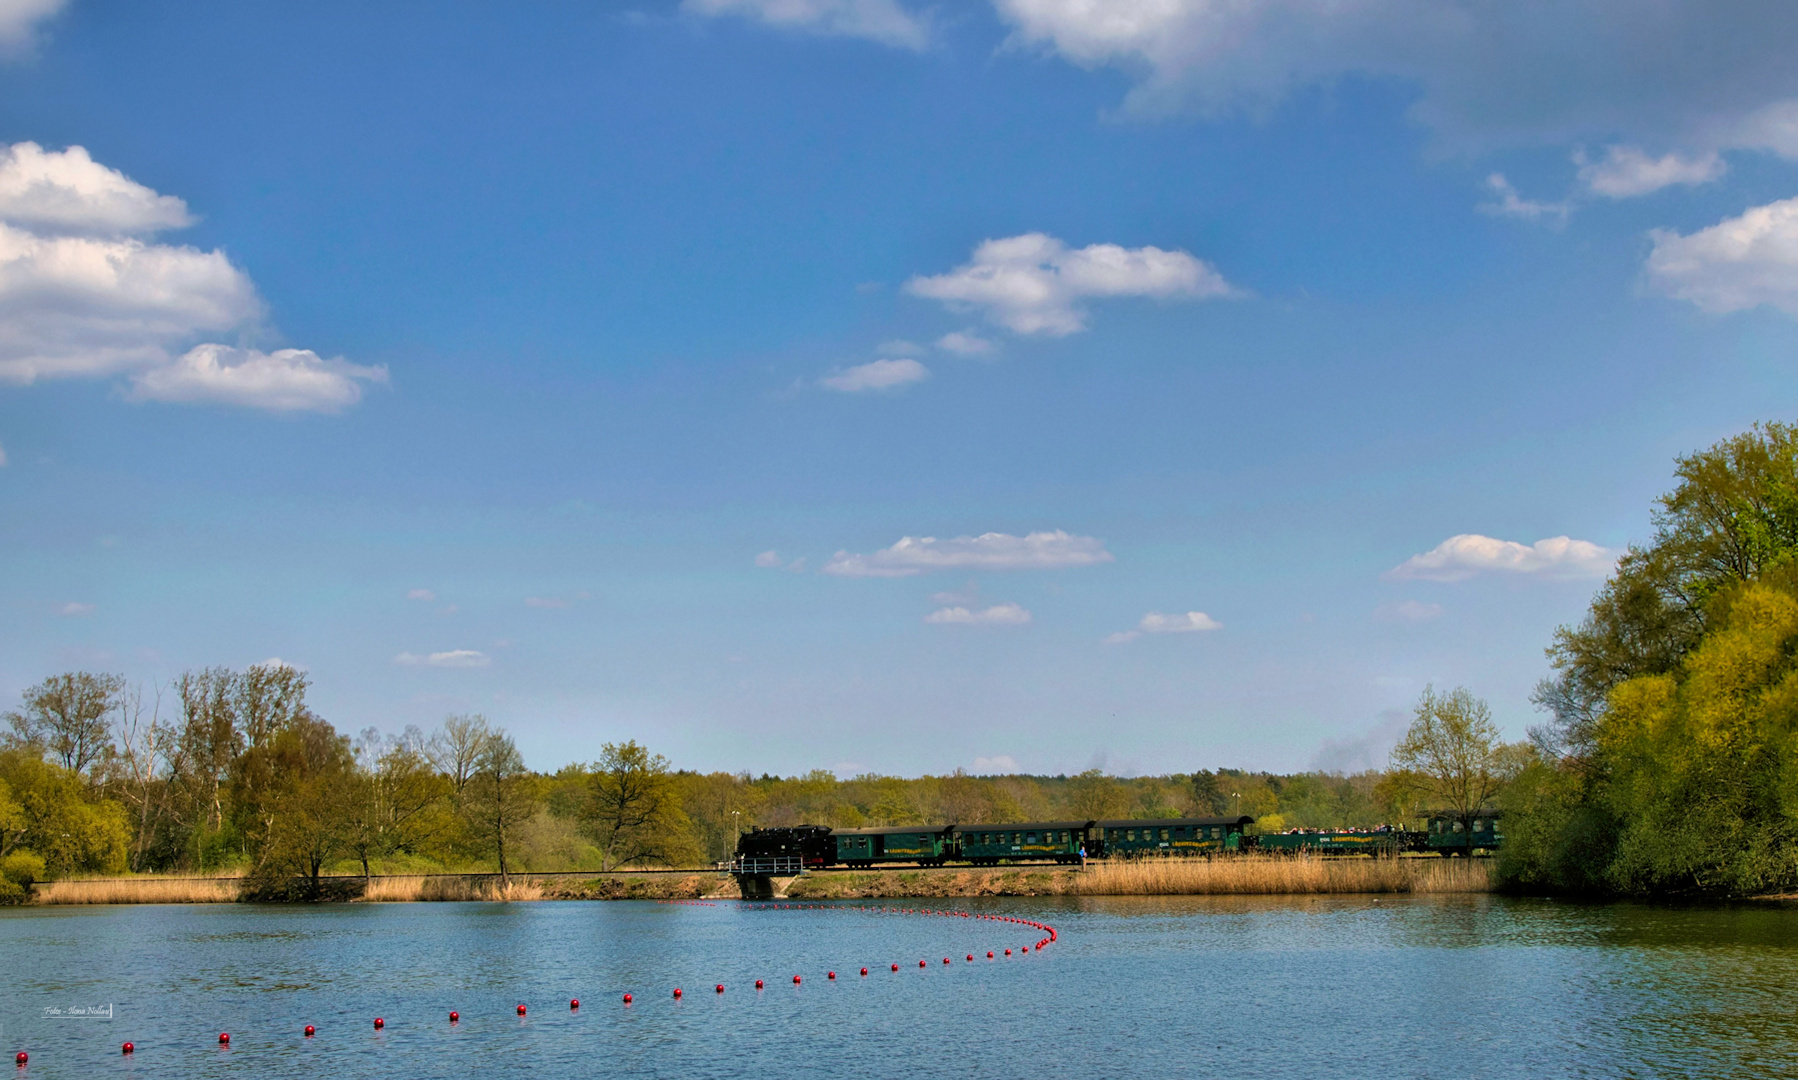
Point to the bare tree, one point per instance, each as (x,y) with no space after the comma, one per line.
(1453,748)
(144,745)
(455,749)
(65,715)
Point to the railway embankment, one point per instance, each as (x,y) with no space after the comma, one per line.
(1247,875)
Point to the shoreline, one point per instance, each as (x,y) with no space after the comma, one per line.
(1242,876)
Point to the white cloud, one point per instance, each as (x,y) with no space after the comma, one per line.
(548,602)
(86,306)
(988,551)
(1735,264)
(1511,204)
(84,292)
(877,375)
(277,662)
(19,22)
(998,764)
(420,594)
(1679,72)
(1191,622)
(883,21)
(998,615)
(1627,171)
(1034,283)
(768,560)
(455,658)
(1463,556)
(286,380)
(1773,127)
(964,343)
(75,610)
(1408,611)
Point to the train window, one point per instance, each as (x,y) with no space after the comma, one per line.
(1130,834)
(1164,834)
(1479,826)
(1217,832)
(1457,826)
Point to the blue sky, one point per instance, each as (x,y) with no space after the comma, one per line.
(871,385)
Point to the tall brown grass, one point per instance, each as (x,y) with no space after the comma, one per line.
(1282,875)
(408,889)
(129,890)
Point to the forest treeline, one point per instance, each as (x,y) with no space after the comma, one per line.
(231,770)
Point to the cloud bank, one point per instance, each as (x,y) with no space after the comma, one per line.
(877,375)
(1469,554)
(84,292)
(989,551)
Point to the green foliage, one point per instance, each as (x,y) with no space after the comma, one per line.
(52,811)
(17,873)
(1673,755)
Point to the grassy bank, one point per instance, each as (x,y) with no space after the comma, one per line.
(138,890)
(395,889)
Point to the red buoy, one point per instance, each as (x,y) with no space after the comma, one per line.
(310,1030)
(677,991)
(21,1057)
(379,1023)
(521,1010)
(224,1038)
(758,984)
(1007,952)
(833,974)
(127,1048)
(895,967)
(989,954)
(945,959)
(627,999)
(970,958)
(795,980)
(920,963)
(864,971)
(455,1017)
(574,1003)
(1025,949)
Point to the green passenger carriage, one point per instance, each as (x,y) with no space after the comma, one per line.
(1451,834)
(1335,842)
(987,845)
(1168,836)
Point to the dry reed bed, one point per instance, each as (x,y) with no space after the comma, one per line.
(158,890)
(1251,875)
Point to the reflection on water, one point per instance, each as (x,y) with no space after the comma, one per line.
(1343,987)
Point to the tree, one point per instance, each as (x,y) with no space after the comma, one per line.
(303,805)
(1208,798)
(51,811)
(1093,796)
(65,715)
(499,796)
(1453,747)
(1732,517)
(456,749)
(401,801)
(632,811)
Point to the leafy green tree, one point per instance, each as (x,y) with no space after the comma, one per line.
(51,811)
(304,803)
(633,813)
(498,798)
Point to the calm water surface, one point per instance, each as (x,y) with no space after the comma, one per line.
(1227,987)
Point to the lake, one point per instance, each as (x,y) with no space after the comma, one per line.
(1332,987)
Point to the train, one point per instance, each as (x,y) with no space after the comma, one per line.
(818,846)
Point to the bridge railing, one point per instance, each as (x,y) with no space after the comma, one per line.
(771,865)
